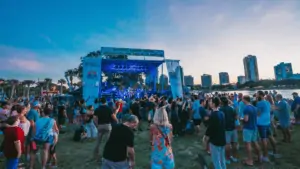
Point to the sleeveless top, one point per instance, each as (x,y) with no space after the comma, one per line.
(161,146)
(44,128)
(25,127)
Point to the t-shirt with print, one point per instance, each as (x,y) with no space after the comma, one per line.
(251,112)
(264,110)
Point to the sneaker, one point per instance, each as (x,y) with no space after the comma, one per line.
(234,159)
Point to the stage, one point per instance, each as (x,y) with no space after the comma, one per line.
(126,73)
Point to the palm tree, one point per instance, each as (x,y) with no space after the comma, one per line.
(48,83)
(28,83)
(75,73)
(80,71)
(41,85)
(69,73)
(13,83)
(61,82)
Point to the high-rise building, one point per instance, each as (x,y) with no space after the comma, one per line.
(206,80)
(283,71)
(241,79)
(189,80)
(296,76)
(251,69)
(224,78)
(163,79)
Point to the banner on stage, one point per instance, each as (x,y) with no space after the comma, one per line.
(91,79)
(133,52)
(173,68)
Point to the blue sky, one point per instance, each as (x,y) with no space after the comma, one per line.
(40,39)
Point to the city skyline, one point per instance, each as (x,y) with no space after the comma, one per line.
(39,41)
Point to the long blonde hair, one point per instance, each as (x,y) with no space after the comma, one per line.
(161,117)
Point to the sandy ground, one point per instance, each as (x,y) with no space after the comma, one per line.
(74,155)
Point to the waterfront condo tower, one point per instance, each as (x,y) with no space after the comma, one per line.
(251,68)
(189,80)
(283,71)
(206,80)
(223,78)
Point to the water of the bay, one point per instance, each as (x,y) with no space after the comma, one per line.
(286,93)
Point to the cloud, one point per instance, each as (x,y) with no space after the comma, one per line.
(207,36)
(23,63)
(210,37)
(30,65)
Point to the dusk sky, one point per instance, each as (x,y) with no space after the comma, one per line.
(40,39)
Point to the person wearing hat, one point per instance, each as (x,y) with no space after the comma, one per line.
(296,107)
(33,115)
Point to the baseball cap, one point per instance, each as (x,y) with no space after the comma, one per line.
(36,104)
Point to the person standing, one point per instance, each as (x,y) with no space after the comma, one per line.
(284,118)
(216,134)
(175,118)
(296,107)
(120,144)
(33,115)
(196,114)
(231,133)
(250,130)
(13,143)
(263,123)
(105,117)
(160,139)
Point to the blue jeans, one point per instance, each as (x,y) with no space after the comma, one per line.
(218,156)
(12,163)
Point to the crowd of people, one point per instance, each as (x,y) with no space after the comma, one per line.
(31,128)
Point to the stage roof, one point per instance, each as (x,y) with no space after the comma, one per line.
(132,52)
(123,66)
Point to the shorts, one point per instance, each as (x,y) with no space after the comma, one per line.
(106,164)
(250,135)
(231,137)
(12,163)
(264,131)
(197,122)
